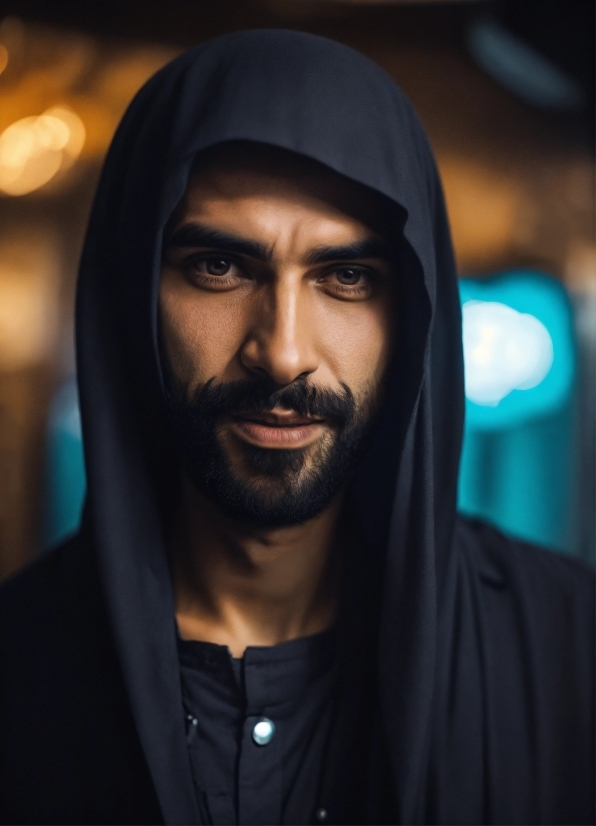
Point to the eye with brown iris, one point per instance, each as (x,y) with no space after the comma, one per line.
(218,266)
(349,276)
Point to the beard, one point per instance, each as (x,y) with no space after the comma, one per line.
(267,487)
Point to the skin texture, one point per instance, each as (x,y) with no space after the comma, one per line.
(226,315)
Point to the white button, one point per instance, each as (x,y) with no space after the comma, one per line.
(321,815)
(263,731)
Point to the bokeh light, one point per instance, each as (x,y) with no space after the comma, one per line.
(29,279)
(3,57)
(519,348)
(504,350)
(34,149)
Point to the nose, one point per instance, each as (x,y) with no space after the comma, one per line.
(281,341)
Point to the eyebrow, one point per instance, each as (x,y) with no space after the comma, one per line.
(200,235)
(368,248)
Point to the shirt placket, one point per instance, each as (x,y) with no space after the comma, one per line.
(259,767)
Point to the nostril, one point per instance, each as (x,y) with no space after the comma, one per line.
(281,364)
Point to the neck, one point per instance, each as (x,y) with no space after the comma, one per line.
(240,586)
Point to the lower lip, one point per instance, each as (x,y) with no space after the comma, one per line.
(264,435)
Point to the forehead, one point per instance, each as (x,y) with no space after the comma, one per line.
(244,175)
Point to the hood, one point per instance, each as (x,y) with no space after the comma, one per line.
(322,100)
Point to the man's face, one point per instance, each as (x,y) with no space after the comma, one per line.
(276,320)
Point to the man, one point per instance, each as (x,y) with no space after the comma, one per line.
(271,613)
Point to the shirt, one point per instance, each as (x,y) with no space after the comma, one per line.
(268,774)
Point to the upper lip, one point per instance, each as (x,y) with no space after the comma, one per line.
(283,419)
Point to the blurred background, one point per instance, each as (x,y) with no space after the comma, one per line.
(506,93)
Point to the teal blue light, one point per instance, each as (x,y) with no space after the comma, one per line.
(65,467)
(519,458)
(546,300)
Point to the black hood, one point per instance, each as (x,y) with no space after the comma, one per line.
(322,100)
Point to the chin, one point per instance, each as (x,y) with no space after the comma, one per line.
(273,500)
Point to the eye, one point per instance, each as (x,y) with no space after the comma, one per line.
(349,276)
(215,266)
(350,282)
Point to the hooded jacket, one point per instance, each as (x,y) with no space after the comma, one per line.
(483,683)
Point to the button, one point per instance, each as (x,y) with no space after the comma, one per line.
(191,728)
(263,731)
(321,815)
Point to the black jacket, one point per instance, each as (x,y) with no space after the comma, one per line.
(481,689)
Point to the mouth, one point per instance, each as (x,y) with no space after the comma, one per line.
(283,429)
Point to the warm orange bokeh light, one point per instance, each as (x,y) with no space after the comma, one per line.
(3,58)
(34,149)
(29,290)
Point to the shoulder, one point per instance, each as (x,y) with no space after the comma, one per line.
(501,558)
(41,577)
(57,590)
(553,589)
(43,569)
(69,751)
(533,630)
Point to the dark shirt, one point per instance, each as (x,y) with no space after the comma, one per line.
(238,780)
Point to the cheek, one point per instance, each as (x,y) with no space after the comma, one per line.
(357,341)
(201,336)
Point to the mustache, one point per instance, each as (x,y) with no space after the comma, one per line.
(214,400)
